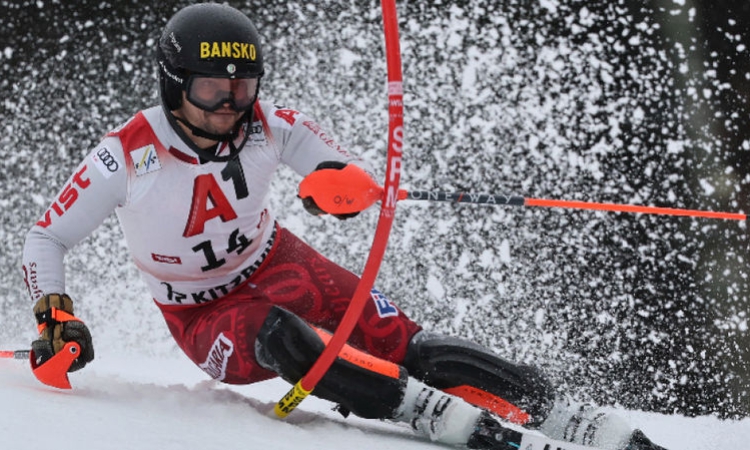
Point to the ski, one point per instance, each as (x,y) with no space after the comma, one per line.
(491,434)
(531,441)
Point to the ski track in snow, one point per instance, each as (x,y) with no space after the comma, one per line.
(149,403)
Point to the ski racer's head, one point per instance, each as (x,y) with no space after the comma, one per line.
(210,67)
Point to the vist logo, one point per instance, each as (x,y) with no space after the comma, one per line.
(239,50)
(145,160)
(383,304)
(67,198)
(218,357)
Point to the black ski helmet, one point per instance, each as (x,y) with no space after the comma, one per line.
(206,39)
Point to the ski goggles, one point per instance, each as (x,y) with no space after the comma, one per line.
(211,93)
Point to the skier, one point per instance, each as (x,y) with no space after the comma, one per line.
(244,298)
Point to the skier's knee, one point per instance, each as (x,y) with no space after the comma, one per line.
(287,345)
(517,392)
(360,383)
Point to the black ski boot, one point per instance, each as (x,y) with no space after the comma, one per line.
(639,441)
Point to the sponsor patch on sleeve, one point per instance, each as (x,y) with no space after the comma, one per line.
(105,161)
(145,160)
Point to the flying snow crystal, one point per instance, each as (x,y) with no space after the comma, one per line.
(435,287)
(347,58)
(708,188)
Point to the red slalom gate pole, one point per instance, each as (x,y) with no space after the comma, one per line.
(305,386)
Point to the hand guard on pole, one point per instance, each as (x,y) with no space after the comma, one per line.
(337,188)
(64,343)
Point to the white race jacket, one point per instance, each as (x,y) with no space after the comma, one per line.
(194,233)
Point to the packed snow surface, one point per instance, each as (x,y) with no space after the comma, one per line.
(141,402)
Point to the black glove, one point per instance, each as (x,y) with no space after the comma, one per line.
(309,204)
(57,326)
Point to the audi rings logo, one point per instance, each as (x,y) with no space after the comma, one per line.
(108,160)
(105,161)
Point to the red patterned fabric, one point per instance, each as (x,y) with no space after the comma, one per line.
(219,336)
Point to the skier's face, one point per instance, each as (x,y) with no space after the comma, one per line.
(220,121)
(212,92)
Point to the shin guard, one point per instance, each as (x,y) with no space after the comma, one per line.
(517,393)
(367,386)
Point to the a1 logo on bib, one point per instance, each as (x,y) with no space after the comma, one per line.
(145,160)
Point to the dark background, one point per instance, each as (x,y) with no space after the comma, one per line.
(642,102)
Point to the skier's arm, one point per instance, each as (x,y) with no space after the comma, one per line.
(303,144)
(97,186)
(306,147)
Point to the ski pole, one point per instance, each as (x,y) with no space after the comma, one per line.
(359,191)
(515,200)
(15,354)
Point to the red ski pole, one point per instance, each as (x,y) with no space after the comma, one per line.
(515,200)
(15,354)
(359,192)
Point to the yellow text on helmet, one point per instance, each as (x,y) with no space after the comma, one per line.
(241,50)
